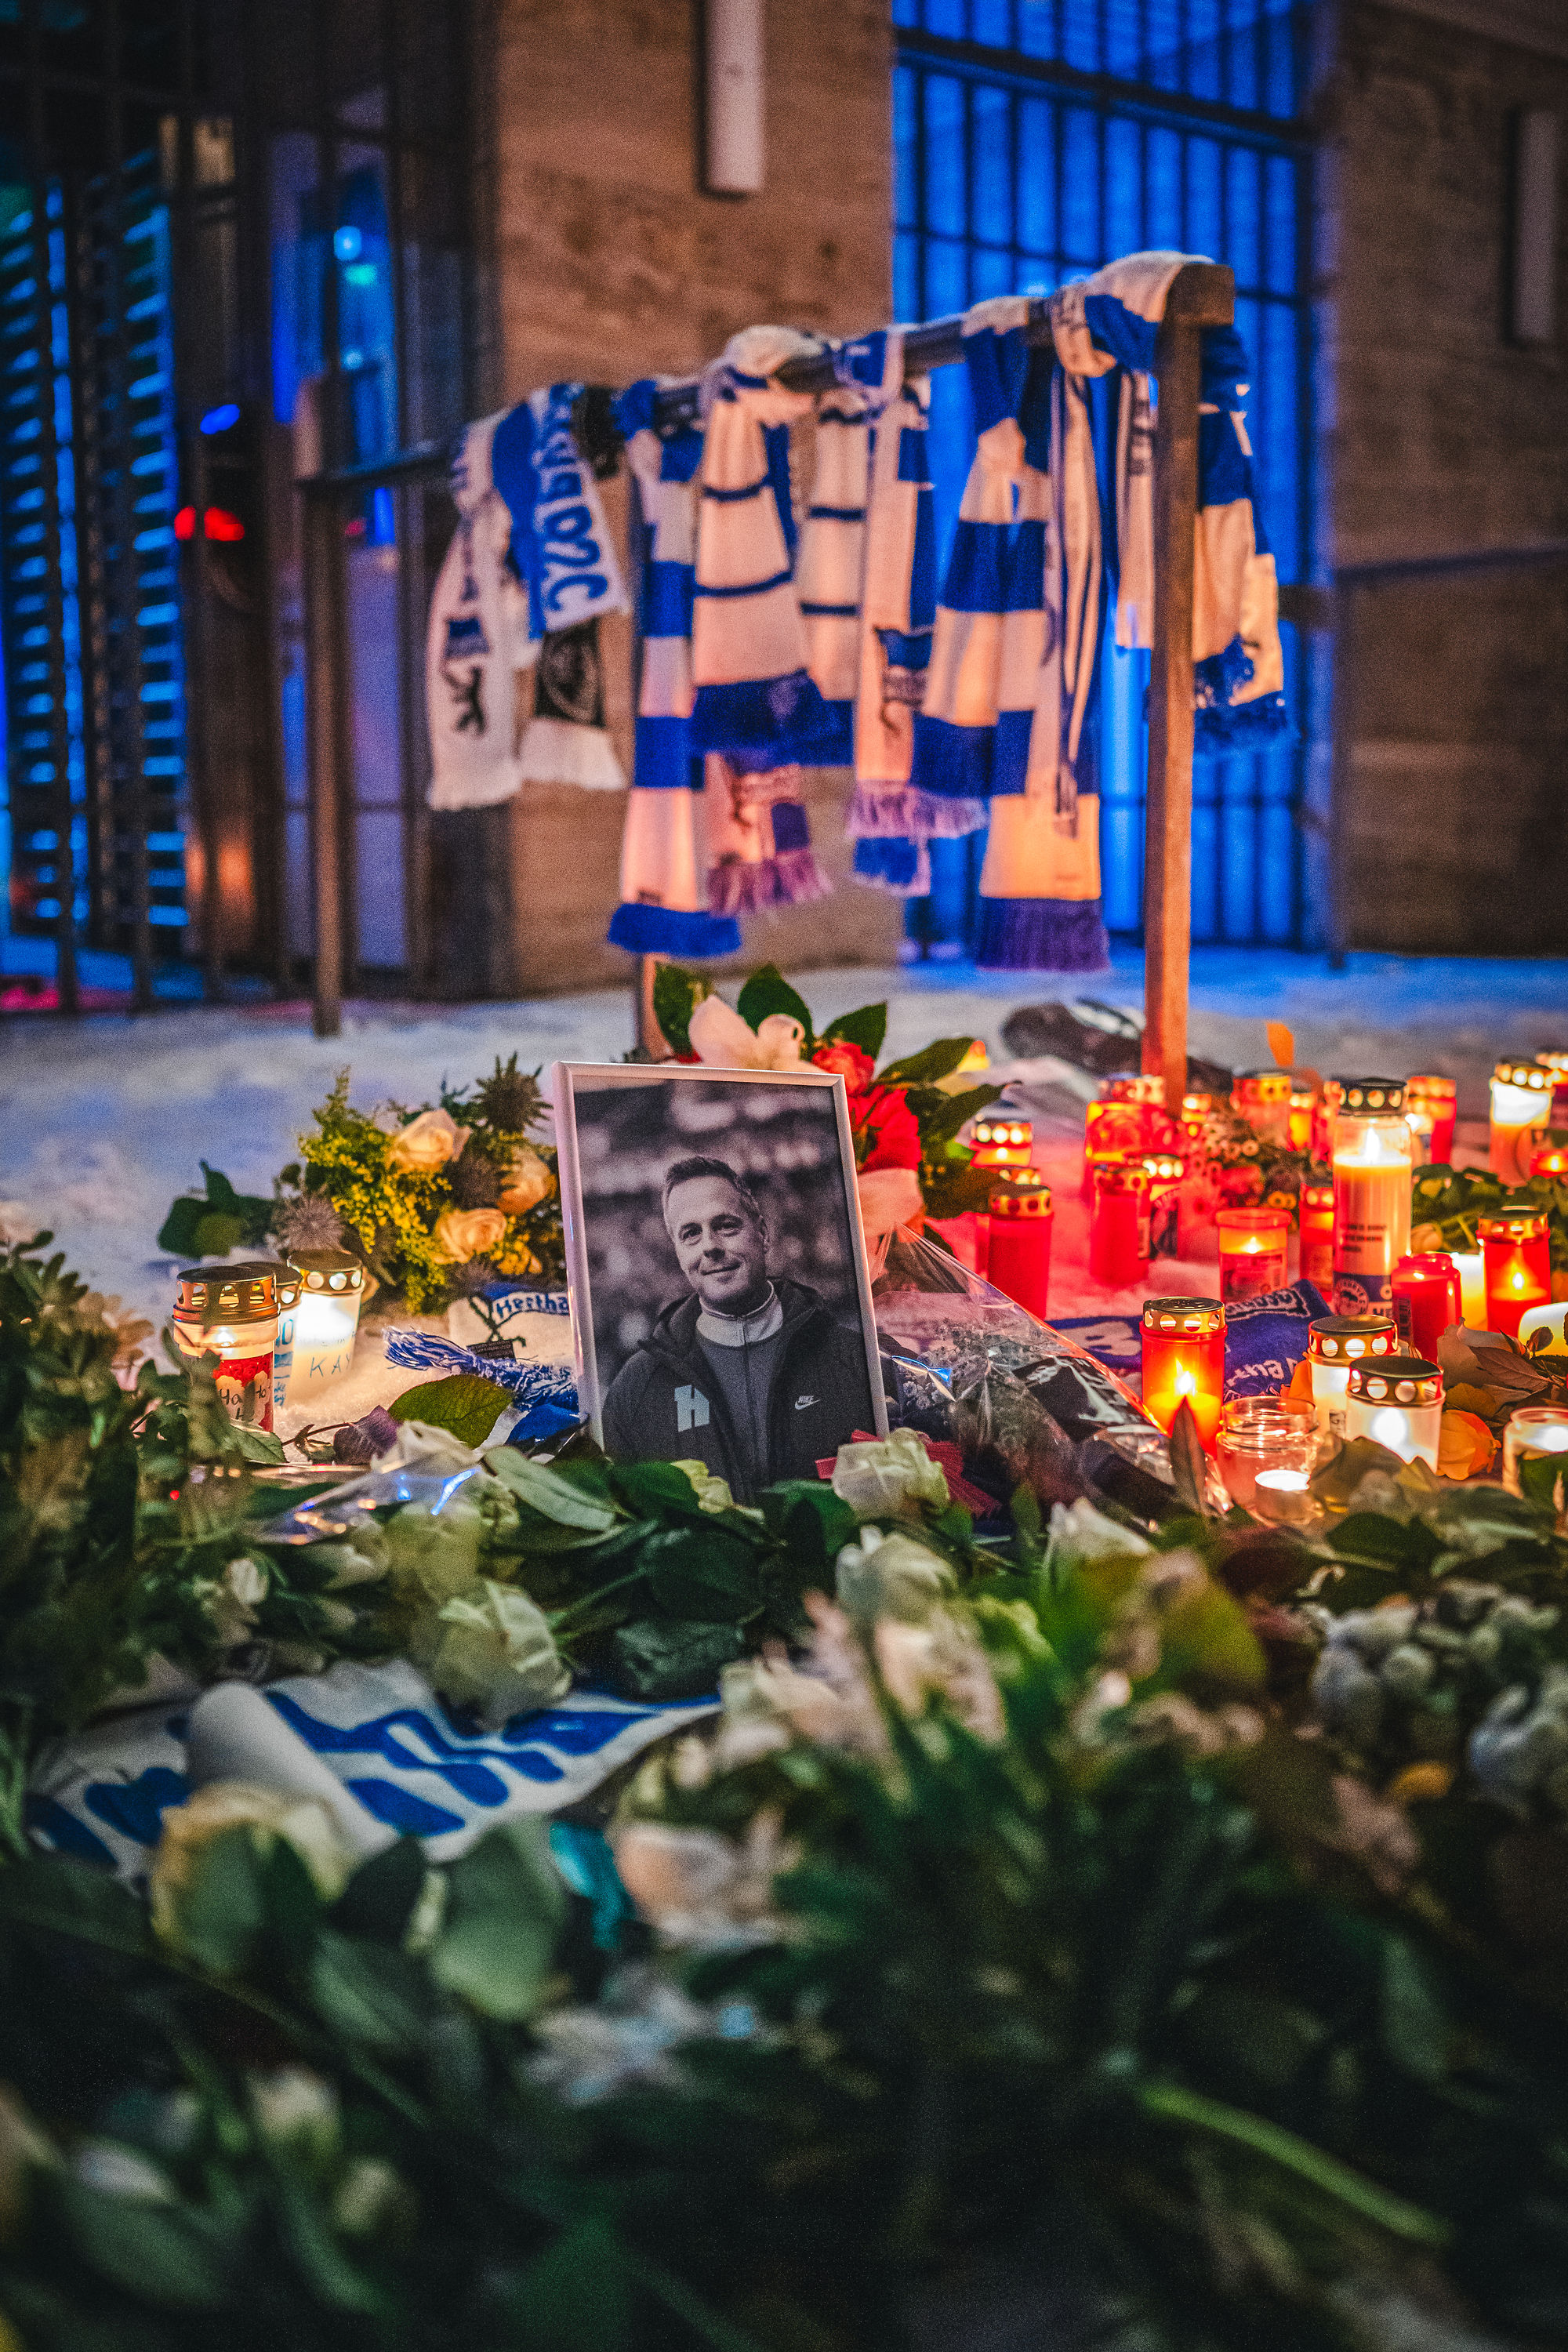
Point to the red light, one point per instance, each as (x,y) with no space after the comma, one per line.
(221,524)
(186,523)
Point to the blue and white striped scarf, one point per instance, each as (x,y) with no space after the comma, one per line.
(478,637)
(1111,320)
(663,906)
(756,699)
(564,547)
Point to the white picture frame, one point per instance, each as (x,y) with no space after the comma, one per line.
(578,1089)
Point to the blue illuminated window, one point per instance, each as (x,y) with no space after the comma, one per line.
(1034,141)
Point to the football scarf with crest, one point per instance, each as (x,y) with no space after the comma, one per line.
(567,554)
(476,640)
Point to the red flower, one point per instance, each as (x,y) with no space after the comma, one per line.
(886,1134)
(841,1059)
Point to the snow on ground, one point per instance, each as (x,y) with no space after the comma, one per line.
(104,1120)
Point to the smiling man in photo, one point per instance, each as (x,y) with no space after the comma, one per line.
(747,1373)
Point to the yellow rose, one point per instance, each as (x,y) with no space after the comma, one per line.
(426,1144)
(528,1181)
(463,1233)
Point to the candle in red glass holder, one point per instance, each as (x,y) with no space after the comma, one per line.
(1183,1361)
(1427,1297)
(1550,1157)
(1303,1106)
(1252,1248)
(1119,1225)
(1438,1097)
(1018,1258)
(1002,1142)
(1197,1109)
(1419,1120)
(1112,1131)
(1518,1252)
(1263,1098)
(1316,1218)
(1372,1192)
(1166,1171)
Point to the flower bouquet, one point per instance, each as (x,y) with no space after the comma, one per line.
(906,1117)
(437,1201)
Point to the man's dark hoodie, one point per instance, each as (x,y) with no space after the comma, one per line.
(665,1405)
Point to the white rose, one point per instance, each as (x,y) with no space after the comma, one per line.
(891,1575)
(721,1036)
(268,1815)
(420,1446)
(495,1652)
(712,1493)
(294,2108)
(889,1474)
(426,1144)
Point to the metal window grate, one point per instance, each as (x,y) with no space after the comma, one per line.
(1034,139)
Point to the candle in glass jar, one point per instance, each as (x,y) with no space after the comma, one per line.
(1440,1097)
(1536,1433)
(1323,1118)
(1263,1098)
(1303,1109)
(1019,1253)
(1316,1218)
(1335,1343)
(1372,1193)
(230,1313)
(1112,1132)
(1252,1246)
(1119,1225)
(1550,1157)
(1418,1119)
(1517,1247)
(1197,1109)
(1522,1096)
(1183,1343)
(326,1320)
(1427,1299)
(1398,1403)
(1472,1270)
(1268,1437)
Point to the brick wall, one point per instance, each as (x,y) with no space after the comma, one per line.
(1440,435)
(610,263)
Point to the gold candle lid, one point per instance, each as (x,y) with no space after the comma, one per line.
(1534,1076)
(1165,1167)
(229,1294)
(1372,1097)
(1025,1194)
(1396,1380)
(1340,1339)
(1008,1132)
(335,1270)
(1517,1218)
(1190,1317)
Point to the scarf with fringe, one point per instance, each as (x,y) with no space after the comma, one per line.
(663,906)
(563,549)
(1109,321)
(478,637)
(756,699)
(759,839)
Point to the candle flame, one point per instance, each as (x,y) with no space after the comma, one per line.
(1186,1383)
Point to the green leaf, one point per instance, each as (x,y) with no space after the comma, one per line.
(261,1445)
(676,994)
(554,1496)
(75,1899)
(806,1515)
(1173,2104)
(662,1660)
(1540,1480)
(769,992)
(866,1028)
(216,1234)
(576,2298)
(505,1904)
(463,1403)
(223,1909)
(205,1228)
(168,2255)
(701,1573)
(937,1126)
(379,1899)
(1372,1534)
(932,1062)
(649,1488)
(368,1994)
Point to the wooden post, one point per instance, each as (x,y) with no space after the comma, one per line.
(326,733)
(1202,294)
(649,1036)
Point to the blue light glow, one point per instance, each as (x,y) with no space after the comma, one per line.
(346,243)
(218,420)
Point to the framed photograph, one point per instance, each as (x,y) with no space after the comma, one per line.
(720,1299)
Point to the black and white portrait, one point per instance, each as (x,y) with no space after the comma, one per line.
(720,1304)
